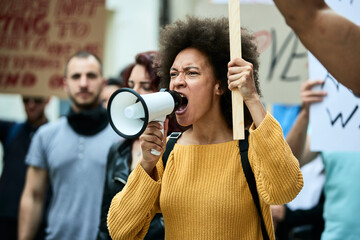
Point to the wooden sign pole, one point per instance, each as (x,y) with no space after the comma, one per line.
(235,52)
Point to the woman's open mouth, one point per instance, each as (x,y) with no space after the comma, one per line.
(183,107)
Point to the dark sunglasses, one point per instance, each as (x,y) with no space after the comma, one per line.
(36,100)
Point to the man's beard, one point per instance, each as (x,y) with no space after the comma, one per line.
(85,106)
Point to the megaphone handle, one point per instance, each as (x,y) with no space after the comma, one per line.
(153,151)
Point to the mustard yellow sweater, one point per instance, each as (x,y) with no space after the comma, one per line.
(203,193)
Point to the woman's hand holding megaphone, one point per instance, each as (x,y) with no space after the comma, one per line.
(152,138)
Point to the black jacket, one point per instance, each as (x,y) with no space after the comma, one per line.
(117,173)
(302,224)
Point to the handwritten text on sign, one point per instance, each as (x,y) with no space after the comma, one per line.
(283,59)
(335,122)
(37,37)
(283,64)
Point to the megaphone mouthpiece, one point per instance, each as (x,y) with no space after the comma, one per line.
(177,98)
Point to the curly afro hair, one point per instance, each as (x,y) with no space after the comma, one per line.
(211,37)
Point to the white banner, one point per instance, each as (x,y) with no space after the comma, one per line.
(335,122)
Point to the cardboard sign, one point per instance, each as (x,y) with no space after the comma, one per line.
(37,37)
(335,122)
(283,59)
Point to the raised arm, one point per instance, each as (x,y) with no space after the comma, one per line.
(32,202)
(298,138)
(333,39)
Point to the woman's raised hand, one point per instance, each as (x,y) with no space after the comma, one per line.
(241,77)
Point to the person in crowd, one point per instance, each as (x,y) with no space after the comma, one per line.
(300,219)
(202,193)
(341,189)
(70,155)
(112,84)
(328,36)
(15,138)
(124,156)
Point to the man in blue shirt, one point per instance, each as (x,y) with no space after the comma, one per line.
(70,155)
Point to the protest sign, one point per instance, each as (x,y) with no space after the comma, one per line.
(38,36)
(283,59)
(335,122)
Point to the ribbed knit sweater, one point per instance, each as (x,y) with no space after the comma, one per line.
(203,193)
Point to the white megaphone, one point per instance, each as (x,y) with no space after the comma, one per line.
(129,112)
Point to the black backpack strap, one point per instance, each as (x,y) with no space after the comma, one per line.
(250,178)
(170,145)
